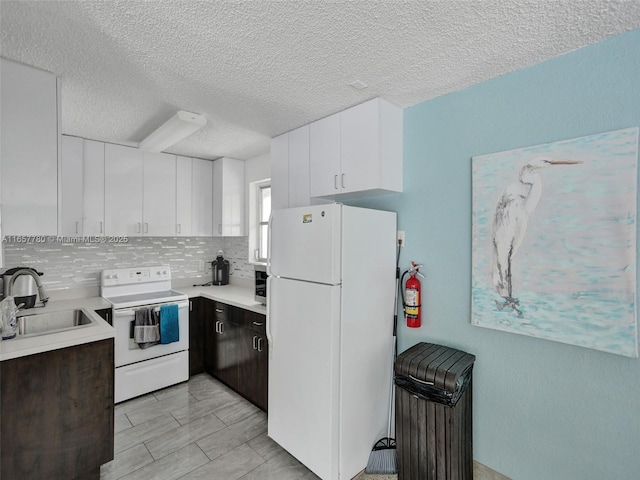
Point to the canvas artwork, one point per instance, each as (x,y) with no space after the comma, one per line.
(554,241)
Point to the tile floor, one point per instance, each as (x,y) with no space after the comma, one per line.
(196,430)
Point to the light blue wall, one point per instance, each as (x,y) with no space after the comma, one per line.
(542,410)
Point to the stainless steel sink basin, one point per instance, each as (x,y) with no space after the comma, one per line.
(53,322)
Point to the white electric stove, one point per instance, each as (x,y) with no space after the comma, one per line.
(137,370)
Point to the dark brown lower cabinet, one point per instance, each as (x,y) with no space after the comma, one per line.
(197,313)
(226,353)
(57,413)
(236,350)
(253,369)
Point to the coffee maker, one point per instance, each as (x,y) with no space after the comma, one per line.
(220,270)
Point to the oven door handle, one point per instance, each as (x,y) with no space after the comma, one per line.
(127,312)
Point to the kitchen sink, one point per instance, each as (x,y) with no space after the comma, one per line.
(53,322)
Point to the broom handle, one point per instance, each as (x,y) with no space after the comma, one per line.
(395,343)
(391,392)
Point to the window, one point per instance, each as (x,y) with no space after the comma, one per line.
(259,213)
(264,211)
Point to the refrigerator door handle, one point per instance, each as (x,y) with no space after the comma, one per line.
(269,273)
(269,306)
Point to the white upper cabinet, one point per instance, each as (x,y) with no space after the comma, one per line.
(280,171)
(324,156)
(28,150)
(81,175)
(357,152)
(228,197)
(290,169)
(194,197)
(93,191)
(159,195)
(299,167)
(184,174)
(202,198)
(71,186)
(123,183)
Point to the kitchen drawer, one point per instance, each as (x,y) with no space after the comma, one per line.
(223,312)
(254,321)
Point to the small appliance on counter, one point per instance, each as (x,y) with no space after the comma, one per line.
(220,270)
(23,284)
(261,283)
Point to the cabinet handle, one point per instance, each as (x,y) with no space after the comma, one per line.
(258,324)
(139,228)
(343,180)
(221,328)
(218,310)
(76,228)
(217,326)
(146,227)
(220,228)
(179,229)
(335,182)
(100,227)
(260,344)
(255,343)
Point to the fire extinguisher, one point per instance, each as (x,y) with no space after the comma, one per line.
(412,297)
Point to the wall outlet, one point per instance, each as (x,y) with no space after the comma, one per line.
(401,239)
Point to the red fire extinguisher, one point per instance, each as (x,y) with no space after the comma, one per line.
(412,297)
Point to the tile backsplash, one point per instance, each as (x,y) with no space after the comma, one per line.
(77,265)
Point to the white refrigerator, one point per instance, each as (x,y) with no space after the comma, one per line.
(330,302)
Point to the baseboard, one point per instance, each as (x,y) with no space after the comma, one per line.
(482,472)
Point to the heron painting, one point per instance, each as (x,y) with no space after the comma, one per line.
(554,241)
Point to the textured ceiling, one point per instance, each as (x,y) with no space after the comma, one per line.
(258,69)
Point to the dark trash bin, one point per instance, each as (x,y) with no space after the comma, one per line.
(434,413)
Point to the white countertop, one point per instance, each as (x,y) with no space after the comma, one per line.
(29,345)
(236,295)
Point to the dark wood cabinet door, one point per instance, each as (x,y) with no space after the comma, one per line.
(227,353)
(209,323)
(253,367)
(196,335)
(57,412)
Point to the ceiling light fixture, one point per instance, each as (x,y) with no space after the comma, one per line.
(181,125)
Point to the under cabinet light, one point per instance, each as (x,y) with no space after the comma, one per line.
(181,125)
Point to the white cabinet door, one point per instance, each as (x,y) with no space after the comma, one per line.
(360,148)
(299,167)
(28,150)
(280,171)
(123,190)
(357,151)
(184,174)
(228,197)
(202,198)
(71,186)
(324,156)
(93,191)
(159,195)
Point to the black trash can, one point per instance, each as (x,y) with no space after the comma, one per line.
(434,413)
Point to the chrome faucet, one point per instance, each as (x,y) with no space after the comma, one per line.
(44,298)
